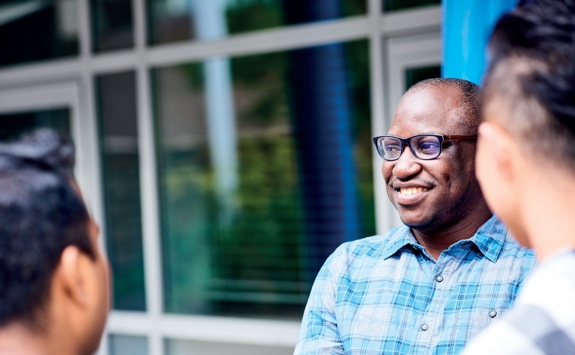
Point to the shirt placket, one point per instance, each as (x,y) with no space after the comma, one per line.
(439,278)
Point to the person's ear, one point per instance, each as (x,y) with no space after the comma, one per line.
(73,274)
(500,149)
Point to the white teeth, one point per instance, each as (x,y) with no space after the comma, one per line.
(411,190)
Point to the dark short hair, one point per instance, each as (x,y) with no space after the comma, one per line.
(470,93)
(41,213)
(531,77)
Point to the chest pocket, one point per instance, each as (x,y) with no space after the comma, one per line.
(482,317)
(475,314)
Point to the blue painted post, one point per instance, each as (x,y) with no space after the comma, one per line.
(467,25)
(321,115)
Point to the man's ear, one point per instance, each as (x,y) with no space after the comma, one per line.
(73,274)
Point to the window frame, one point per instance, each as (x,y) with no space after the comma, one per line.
(383,32)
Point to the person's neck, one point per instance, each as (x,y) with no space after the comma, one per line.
(16,338)
(549,220)
(436,241)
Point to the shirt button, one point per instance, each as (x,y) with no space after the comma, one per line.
(492,313)
(439,278)
(424,327)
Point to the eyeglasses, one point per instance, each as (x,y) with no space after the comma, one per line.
(423,146)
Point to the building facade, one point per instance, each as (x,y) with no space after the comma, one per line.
(223,145)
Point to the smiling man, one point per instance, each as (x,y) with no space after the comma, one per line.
(428,286)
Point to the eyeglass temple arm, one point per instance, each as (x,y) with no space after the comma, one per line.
(467,138)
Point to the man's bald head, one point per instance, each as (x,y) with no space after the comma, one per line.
(469,98)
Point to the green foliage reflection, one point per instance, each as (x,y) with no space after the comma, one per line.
(248,258)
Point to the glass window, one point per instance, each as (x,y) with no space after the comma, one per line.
(417,74)
(112,25)
(177,20)
(32,30)
(121,183)
(127,344)
(187,347)
(13,125)
(264,169)
(393,5)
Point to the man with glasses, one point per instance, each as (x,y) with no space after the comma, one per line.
(428,286)
(526,167)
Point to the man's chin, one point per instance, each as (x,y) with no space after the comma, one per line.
(418,223)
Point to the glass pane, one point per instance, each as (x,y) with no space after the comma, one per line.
(121,180)
(112,24)
(392,5)
(178,20)
(32,30)
(127,344)
(15,124)
(264,168)
(188,347)
(415,75)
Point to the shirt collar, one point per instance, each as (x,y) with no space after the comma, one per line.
(399,238)
(489,239)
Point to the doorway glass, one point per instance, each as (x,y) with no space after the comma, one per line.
(12,125)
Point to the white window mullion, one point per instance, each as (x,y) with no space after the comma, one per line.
(265,41)
(421,20)
(148,190)
(209,328)
(378,124)
(90,132)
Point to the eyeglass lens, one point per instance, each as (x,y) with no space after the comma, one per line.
(423,147)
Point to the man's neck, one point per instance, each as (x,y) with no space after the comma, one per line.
(435,242)
(550,223)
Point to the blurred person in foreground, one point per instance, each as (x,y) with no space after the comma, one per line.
(526,167)
(54,279)
(428,286)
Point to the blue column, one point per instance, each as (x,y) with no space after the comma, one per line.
(467,25)
(321,114)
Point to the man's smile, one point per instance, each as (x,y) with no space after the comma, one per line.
(411,190)
(407,194)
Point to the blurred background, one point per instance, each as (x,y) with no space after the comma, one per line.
(223,145)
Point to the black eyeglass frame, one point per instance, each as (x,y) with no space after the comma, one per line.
(407,141)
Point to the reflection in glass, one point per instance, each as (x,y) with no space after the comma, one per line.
(13,125)
(38,30)
(121,180)
(417,74)
(393,5)
(112,27)
(127,344)
(242,231)
(177,20)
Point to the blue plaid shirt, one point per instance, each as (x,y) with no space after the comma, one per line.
(386,295)
(542,321)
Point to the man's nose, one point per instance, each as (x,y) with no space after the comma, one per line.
(407,165)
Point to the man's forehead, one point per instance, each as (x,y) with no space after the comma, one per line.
(429,110)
